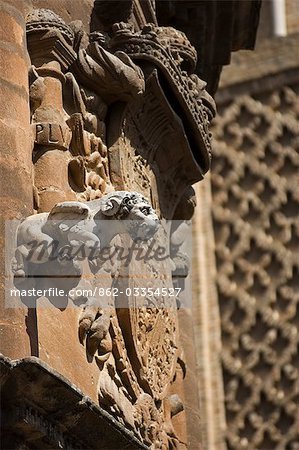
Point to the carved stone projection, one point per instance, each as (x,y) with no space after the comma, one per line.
(50,46)
(123,390)
(118,110)
(158,113)
(34,393)
(79,225)
(256,203)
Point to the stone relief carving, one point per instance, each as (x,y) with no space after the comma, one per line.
(112,76)
(68,118)
(90,73)
(122,391)
(171,53)
(168,123)
(157,142)
(79,224)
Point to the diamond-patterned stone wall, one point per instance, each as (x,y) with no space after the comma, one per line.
(255,184)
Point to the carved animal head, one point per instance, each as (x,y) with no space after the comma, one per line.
(140,219)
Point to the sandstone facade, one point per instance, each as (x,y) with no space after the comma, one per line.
(106,117)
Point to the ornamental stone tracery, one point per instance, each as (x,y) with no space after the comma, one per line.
(255,214)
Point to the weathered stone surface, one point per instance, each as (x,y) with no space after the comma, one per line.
(44,409)
(8,21)
(70,159)
(16,200)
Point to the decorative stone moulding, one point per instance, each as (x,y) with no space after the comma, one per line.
(28,384)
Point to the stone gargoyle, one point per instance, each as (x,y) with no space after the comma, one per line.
(80,226)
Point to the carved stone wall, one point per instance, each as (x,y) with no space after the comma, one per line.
(104,117)
(117,127)
(255,217)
